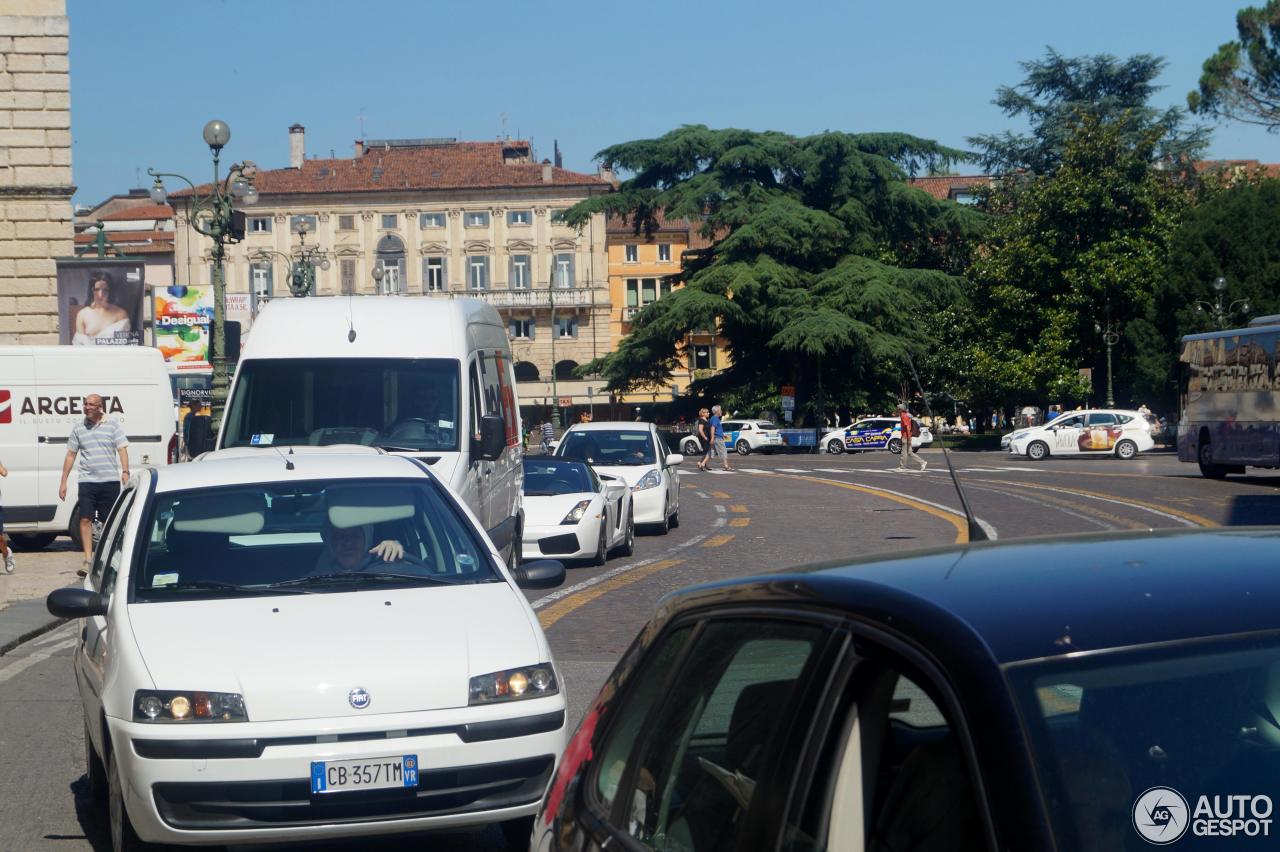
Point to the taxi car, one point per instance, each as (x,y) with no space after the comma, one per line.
(874,433)
(741,436)
(1105,692)
(295,647)
(1103,431)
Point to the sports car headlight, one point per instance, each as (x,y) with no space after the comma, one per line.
(652,479)
(151,705)
(513,684)
(576,513)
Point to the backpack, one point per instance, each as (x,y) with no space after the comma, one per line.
(915,428)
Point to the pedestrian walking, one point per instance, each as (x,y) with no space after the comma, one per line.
(548,435)
(717,437)
(5,550)
(104,467)
(908,431)
(702,428)
(585,416)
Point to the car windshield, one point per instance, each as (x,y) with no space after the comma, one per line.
(279,538)
(608,447)
(1200,721)
(548,477)
(395,403)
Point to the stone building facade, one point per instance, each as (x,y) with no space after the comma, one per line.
(35,166)
(438,218)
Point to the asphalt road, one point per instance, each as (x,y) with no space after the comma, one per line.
(770,512)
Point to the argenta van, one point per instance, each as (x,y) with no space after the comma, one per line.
(42,392)
(424,376)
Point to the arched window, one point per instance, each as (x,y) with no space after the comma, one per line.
(564,370)
(391,260)
(526,371)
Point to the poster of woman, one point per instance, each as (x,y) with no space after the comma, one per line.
(100,304)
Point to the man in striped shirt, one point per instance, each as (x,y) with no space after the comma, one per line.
(104,467)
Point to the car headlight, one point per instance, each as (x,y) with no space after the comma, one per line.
(186,705)
(576,513)
(652,479)
(513,684)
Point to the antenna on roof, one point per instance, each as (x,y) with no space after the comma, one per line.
(288,465)
(976,531)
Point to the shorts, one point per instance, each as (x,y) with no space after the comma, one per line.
(1,520)
(97,497)
(718,449)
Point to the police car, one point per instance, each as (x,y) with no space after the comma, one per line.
(874,433)
(742,436)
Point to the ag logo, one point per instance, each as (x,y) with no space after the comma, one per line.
(6,407)
(1161,815)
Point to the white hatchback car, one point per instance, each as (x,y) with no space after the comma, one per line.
(572,512)
(741,436)
(637,455)
(1114,432)
(318,645)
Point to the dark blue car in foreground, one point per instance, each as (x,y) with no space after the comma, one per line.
(1093,693)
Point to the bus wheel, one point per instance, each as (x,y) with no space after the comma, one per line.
(1207,468)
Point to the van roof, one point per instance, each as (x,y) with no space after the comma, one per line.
(384,326)
(85,351)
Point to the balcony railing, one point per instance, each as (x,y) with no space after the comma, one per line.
(563,297)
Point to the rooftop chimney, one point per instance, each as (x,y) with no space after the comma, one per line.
(359,148)
(546,172)
(297,146)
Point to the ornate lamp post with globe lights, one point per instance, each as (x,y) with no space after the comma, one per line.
(1222,313)
(302,265)
(214,216)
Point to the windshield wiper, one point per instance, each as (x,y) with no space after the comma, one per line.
(215,586)
(397,449)
(339,577)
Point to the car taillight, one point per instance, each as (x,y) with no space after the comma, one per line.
(173,449)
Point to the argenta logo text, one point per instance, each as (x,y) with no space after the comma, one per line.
(1161,816)
(35,405)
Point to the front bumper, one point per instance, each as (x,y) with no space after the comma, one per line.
(250,782)
(559,541)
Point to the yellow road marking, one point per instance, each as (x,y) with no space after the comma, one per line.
(737,507)
(720,495)
(1199,520)
(962,531)
(717,540)
(1072,505)
(739,522)
(560,609)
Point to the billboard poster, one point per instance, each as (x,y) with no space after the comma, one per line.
(182,322)
(100,302)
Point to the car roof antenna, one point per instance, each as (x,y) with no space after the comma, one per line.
(976,532)
(288,464)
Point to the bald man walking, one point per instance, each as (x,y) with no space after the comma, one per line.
(104,467)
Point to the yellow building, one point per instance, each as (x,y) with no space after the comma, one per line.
(641,268)
(440,218)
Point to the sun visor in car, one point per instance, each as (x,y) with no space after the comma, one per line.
(355,507)
(236,513)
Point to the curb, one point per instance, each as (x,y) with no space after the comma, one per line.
(49,623)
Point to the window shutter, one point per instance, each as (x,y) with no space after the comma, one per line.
(403,283)
(572,278)
(533,328)
(511,271)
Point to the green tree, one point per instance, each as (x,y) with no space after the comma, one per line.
(1067,250)
(1058,90)
(1242,80)
(806,277)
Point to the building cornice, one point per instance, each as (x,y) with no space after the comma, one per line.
(39,191)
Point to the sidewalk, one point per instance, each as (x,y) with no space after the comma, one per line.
(22,593)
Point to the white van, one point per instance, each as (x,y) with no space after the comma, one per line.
(424,376)
(42,391)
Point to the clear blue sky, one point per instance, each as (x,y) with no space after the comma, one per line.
(146,75)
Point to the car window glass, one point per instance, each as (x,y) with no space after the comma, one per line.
(113,544)
(629,447)
(1071,422)
(1102,419)
(477,406)
(109,527)
(1127,418)
(705,754)
(545,477)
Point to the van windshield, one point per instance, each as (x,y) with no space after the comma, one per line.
(397,403)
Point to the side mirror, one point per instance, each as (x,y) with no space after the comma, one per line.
(674,459)
(75,603)
(493,438)
(539,574)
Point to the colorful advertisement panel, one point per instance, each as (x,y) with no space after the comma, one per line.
(100,302)
(183,320)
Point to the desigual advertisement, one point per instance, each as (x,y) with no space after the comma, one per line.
(183,316)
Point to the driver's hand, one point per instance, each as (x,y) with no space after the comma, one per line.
(389,550)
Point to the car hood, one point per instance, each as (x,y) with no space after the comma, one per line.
(548,511)
(298,656)
(630,474)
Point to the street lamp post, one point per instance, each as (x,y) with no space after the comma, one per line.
(302,265)
(1221,312)
(1110,336)
(213,215)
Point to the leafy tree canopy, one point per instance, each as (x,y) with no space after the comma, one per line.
(1068,250)
(1058,90)
(1242,80)
(806,277)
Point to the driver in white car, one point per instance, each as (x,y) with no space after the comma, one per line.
(347,549)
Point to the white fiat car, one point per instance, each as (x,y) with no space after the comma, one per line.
(572,512)
(1113,432)
(285,648)
(637,455)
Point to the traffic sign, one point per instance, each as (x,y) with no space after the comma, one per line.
(566,401)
